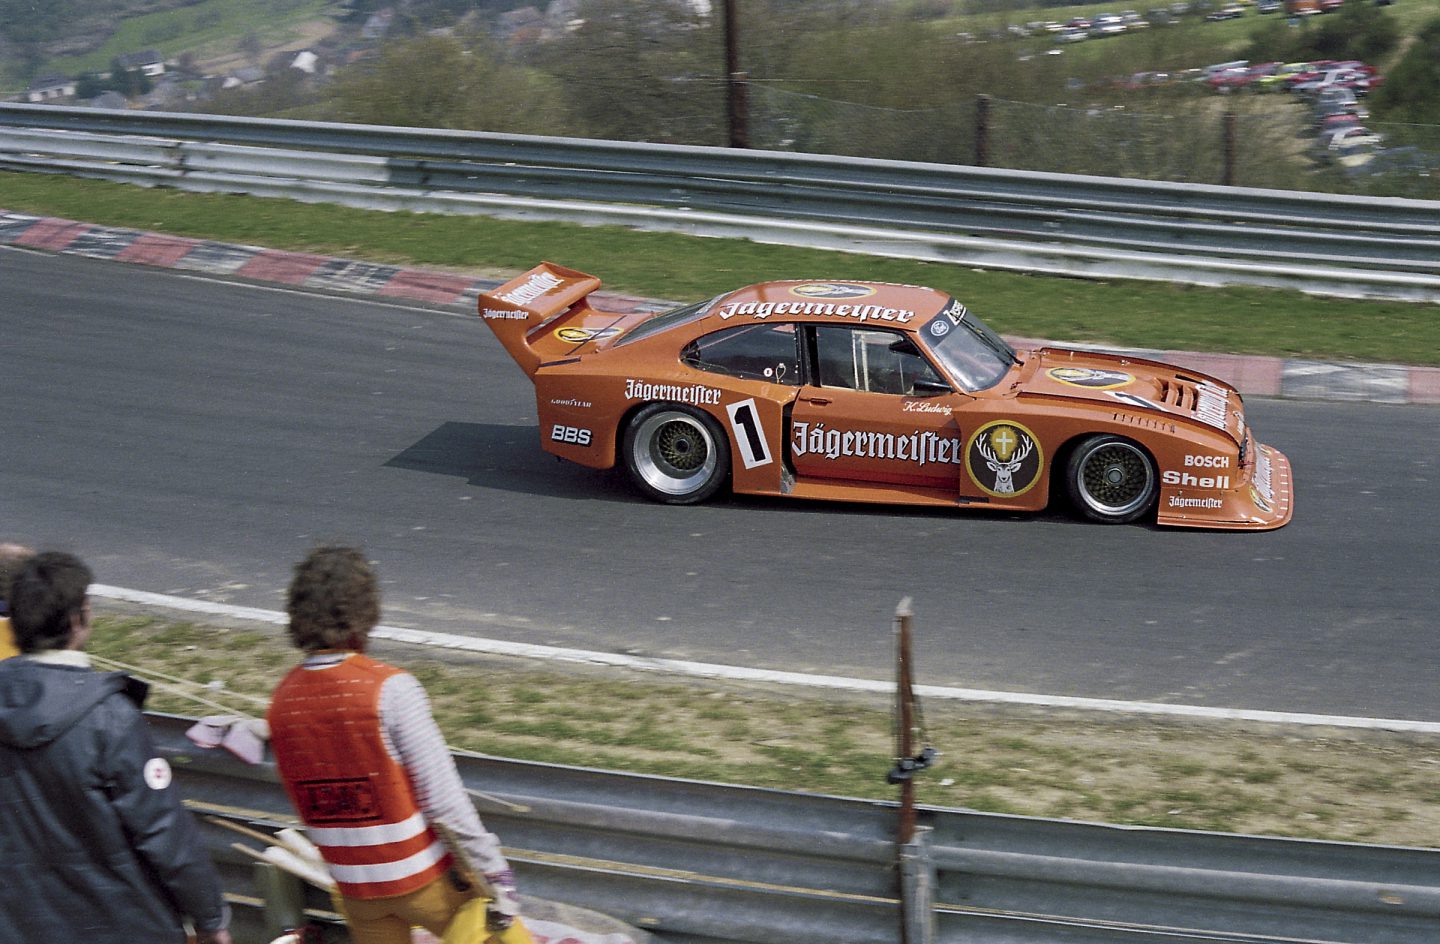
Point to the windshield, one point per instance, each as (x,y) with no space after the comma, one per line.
(972,354)
(669,319)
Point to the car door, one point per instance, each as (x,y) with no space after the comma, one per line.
(873,409)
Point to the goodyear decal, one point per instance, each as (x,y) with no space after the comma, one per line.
(581,335)
(1093,378)
(1004,459)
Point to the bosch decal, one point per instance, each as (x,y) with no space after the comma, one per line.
(1208,462)
(1004,459)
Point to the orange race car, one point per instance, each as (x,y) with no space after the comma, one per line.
(871,392)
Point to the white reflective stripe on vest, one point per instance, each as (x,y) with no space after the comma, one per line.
(388,871)
(368,835)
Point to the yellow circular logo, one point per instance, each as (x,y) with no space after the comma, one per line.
(581,335)
(1004,459)
(1091,377)
(832,290)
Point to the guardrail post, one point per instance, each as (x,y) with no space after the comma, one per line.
(284,897)
(917,889)
(1228,124)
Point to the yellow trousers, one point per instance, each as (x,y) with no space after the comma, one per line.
(440,908)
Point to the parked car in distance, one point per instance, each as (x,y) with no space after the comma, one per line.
(1107,24)
(1230,11)
(1352,135)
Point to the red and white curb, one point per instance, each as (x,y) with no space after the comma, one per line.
(1251,375)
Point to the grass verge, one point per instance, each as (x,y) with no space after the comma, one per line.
(1228,777)
(685,268)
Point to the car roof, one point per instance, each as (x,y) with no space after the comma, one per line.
(880,304)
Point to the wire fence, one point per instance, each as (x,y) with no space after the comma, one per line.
(1198,141)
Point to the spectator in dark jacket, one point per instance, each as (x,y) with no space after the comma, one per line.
(95,845)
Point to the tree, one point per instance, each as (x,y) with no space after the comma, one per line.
(437,82)
(1411,92)
(1358,30)
(642,72)
(132,83)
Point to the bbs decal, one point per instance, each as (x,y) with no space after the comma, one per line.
(750,436)
(574,435)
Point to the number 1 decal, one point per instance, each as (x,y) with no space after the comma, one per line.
(749,435)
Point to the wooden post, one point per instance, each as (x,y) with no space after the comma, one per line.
(736,99)
(905,713)
(982,131)
(1228,124)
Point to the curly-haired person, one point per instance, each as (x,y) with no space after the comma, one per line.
(368,770)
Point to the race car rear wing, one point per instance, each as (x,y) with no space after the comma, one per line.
(528,312)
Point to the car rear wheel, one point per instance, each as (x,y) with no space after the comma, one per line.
(676,455)
(1111,479)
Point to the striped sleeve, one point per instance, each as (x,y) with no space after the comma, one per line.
(418,745)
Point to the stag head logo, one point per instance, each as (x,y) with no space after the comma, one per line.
(1004,459)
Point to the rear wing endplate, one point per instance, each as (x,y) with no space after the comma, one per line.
(516,309)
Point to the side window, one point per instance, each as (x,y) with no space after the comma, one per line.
(758,351)
(873,360)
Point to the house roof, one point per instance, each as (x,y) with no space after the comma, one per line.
(51,81)
(133,60)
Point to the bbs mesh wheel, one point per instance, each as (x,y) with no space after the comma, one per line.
(676,455)
(1111,479)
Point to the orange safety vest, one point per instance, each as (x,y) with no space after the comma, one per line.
(356,801)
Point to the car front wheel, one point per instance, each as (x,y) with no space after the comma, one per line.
(676,455)
(1111,479)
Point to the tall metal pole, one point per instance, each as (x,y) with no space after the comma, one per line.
(905,695)
(735,82)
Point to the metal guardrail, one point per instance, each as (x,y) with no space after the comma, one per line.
(1058,223)
(701,863)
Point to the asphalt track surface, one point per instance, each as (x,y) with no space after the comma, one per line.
(194,437)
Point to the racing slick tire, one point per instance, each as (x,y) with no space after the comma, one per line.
(675,454)
(1111,479)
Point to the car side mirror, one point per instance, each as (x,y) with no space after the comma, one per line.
(931,388)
